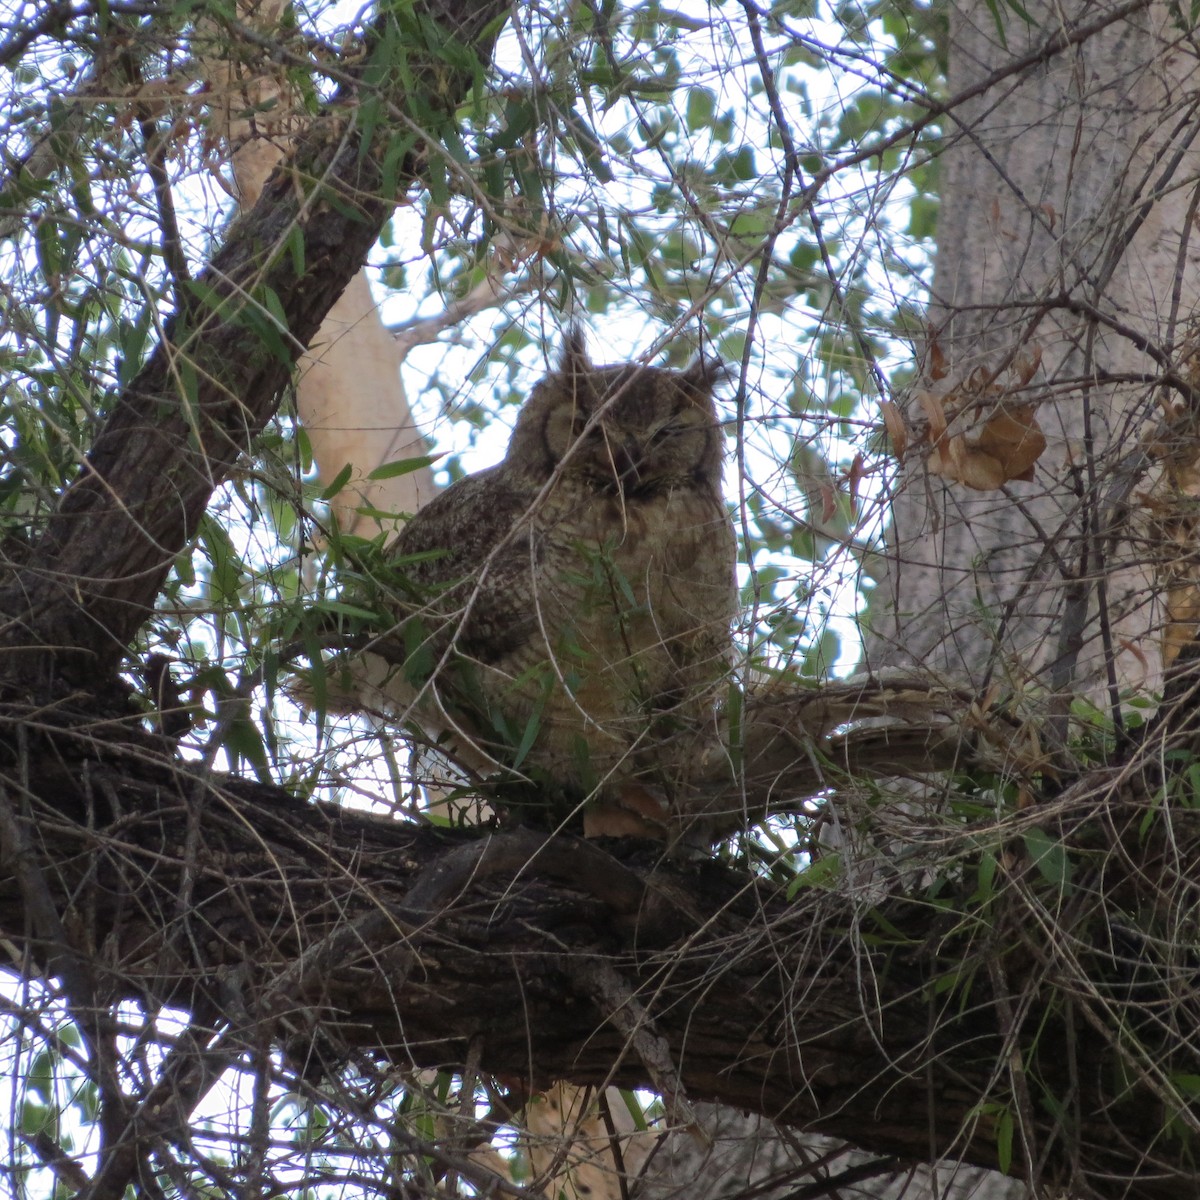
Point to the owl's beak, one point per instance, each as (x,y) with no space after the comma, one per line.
(627,459)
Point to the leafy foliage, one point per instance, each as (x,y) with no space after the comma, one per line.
(621,166)
(618,164)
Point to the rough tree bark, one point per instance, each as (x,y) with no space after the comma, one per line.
(1066,229)
(552,958)
(1066,232)
(125,874)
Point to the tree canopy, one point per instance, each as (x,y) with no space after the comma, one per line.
(260,936)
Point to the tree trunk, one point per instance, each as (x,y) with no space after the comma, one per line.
(1066,229)
(1065,232)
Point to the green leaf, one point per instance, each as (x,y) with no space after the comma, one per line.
(994,9)
(404,466)
(244,740)
(436,181)
(985,887)
(751,223)
(394,157)
(294,244)
(532,726)
(340,480)
(922,216)
(268,320)
(1050,858)
(736,167)
(419,659)
(701,108)
(1004,1140)
(590,148)
(636,1112)
(381,514)
(34,1117)
(345,609)
(225,565)
(822,872)
(998,19)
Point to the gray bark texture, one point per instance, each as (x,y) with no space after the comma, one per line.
(1066,229)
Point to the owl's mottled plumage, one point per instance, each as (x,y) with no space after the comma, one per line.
(575,622)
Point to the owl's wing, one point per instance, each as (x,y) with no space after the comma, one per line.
(468,565)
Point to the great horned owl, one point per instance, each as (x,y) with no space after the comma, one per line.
(571,607)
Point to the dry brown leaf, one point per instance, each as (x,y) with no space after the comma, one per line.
(634,812)
(989,698)
(935,413)
(978,471)
(1186,477)
(1183,618)
(1013,437)
(934,408)
(981,381)
(938,367)
(1005,449)
(947,457)
(1136,651)
(1034,741)
(854,477)
(1000,442)
(1026,365)
(828,502)
(893,422)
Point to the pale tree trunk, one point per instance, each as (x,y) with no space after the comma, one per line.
(1067,231)
(349,396)
(352,406)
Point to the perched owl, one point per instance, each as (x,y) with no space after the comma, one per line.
(568,613)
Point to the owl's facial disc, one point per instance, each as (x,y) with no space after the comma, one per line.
(628,458)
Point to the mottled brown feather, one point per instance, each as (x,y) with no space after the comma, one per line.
(585,583)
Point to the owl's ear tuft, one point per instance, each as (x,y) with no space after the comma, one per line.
(703,375)
(575,359)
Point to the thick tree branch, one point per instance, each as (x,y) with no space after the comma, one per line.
(175,432)
(839,1010)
